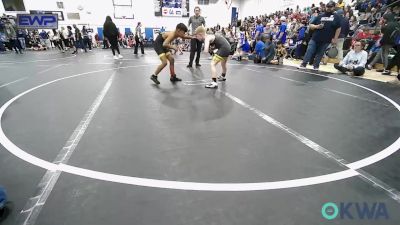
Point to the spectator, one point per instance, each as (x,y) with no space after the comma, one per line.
(78,40)
(394,62)
(340,5)
(70,36)
(3,202)
(322,6)
(353,25)
(86,39)
(269,49)
(374,55)
(43,38)
(301,41)
(280,54)
(372,21)
(389,25)
(139,39)
(354,61)
(327,30)
(314,15)
(260,49)
(344,32)
(363,34)
(11,35)
(281,36)
(21,34)
(110,31)
(64,37)
(57,40)
(259,29)
(50,40)
(241,43)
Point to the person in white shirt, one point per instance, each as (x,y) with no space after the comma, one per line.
(354,61)
(64,37)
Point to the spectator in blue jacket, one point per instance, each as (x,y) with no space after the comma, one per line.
(301,42)
(3,201)
(260,47)
(282,31)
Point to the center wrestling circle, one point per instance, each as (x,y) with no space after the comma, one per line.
(178,185)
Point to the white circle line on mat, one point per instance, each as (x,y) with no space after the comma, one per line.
(180,185)
(33,61)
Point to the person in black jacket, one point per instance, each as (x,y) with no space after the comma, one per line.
(389,26)
(327,27)
(111,32)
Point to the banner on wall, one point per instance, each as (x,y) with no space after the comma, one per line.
(59,13)
(174,8)
(288,4)
(37,21)
(234,17)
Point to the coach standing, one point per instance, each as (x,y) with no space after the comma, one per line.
(195,45)
(327,28)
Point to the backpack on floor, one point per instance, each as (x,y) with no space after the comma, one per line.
(332,52)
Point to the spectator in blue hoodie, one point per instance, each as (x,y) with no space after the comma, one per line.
(282,31)
(301,40)
(3,201)
(260,49)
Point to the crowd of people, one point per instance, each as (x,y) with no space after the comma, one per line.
(66,38)
(303,34)
(307,34)
(69,37)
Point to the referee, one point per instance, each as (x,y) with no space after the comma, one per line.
(195,45)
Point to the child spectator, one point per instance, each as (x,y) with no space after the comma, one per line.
(280,54)
(354,61)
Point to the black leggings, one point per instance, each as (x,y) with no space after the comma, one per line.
(66,42)
(59,44)
(87,42)
(114,45)
(195,49)
(358,71)
(138,42)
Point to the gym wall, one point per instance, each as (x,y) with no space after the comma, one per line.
(93,12)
